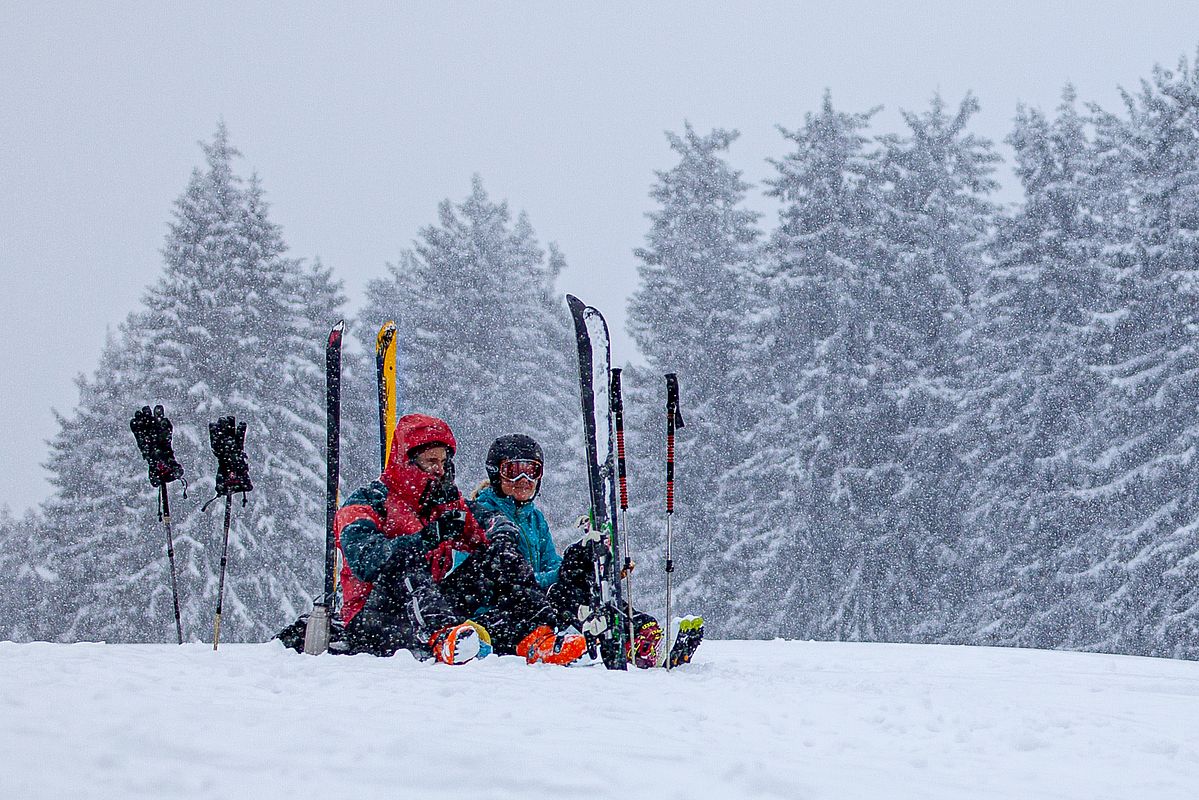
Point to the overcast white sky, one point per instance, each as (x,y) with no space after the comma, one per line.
(361,117)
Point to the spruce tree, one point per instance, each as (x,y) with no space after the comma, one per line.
(1031,394)
(485,342)
(232,326)
(808,489)
(1139,556)
(25,576)
(935,180)
(689,316)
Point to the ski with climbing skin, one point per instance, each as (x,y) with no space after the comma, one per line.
(601,620)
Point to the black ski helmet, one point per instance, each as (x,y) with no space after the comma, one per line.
(513,447)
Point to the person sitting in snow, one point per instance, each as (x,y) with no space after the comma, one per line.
(420,572)
(514,468)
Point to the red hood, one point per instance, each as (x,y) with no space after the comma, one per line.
(413,431)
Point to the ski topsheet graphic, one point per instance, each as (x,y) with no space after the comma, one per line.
(601,620)
(385,374)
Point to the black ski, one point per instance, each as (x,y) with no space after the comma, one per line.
(316,636)
(601,620)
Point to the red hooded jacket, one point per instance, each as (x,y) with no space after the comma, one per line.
(403,513)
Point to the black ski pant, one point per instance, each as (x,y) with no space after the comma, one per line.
(494,586)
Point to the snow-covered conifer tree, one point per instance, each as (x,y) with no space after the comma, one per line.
(809,488)
(1032,392)
(485,341)
(25,577)
(934,179)
(1139,557)
(688,316)
(232,327)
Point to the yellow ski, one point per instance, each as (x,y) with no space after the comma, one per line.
(385,371)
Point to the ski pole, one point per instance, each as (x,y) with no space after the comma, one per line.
(228,437)
(617,402)
(220,592)
(152,430)
(674,419)
(165,512)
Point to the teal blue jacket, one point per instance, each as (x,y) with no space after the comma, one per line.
(534,541)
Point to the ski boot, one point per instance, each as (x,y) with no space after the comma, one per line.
(645,651)
(543,646)
(459,644)
(687,632)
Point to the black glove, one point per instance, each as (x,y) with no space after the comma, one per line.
(228,438)
(502,528)
(440,491)
(449,525)
(153,433)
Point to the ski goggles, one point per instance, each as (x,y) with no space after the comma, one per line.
(515,469)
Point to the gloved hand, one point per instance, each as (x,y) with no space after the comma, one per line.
(502,528)
(440,491)
(442,529)
(471,538)
(441,561)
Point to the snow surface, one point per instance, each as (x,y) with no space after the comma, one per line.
(747,719)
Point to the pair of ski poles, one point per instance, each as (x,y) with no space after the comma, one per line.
(674,420)
(153,432)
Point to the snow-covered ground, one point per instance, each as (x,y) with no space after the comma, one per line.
(747,719)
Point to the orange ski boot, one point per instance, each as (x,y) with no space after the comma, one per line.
(543,646)
(458,644)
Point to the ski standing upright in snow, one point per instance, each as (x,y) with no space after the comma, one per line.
(385,375)
(601,620)
(316,634)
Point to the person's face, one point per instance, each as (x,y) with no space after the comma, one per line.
(432,460)
(522,487)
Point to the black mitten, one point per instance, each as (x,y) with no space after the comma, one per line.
(440,491)
(153,432)
(502,528)
(228,438)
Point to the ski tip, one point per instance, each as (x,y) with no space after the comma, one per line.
(575,303)
(339,327)
(385,337)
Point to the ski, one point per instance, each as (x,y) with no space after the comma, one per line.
(600,621)
(316,635)
(385,373)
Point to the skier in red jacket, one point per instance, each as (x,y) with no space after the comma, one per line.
(420,573)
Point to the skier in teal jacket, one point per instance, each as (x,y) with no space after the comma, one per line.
(533,541)
(514,468)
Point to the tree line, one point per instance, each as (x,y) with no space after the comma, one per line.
(913,413)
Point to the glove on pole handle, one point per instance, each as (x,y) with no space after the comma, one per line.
(674,419)
(616,401)
(228,438)
(152,430)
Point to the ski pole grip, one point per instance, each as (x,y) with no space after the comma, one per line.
(617,403)
(673,420)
